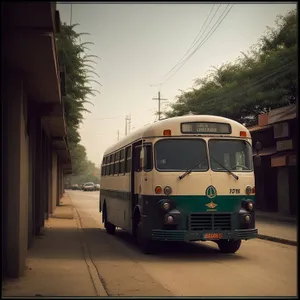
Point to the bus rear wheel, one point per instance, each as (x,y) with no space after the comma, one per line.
(229,246)
(110,228)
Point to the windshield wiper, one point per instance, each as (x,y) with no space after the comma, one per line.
(232,174)
(187,172)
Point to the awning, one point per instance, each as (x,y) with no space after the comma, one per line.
(258,128)
(283,159)
(266,151)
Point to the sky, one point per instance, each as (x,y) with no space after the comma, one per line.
(139,43)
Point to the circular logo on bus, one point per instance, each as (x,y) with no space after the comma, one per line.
(211,192)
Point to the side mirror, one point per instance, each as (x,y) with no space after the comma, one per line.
(258,146)
(257,160)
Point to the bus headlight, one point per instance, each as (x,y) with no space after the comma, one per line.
(169,219)
(166,205)
(247,218)
(250,205)
(248,189)
(167,190)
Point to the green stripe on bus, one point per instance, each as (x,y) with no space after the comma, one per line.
(224,203)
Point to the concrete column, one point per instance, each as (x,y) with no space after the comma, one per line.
(16,188)
(283,190)
(54,182)
(58,183)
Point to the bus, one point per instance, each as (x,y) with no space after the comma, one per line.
(187,178)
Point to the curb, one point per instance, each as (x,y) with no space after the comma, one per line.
(277,240)
(278,220)
(95,277)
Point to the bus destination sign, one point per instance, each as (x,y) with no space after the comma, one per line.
(205,127)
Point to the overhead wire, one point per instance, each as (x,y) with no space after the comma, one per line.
(206,38)
(197,38)
(281,71)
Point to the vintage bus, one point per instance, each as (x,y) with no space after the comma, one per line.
(187,178)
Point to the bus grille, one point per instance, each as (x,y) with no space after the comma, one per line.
(215,221)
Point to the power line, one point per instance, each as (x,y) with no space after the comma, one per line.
(252,85)
(209,34)
(196,38)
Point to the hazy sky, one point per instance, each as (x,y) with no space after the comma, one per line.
(140,43)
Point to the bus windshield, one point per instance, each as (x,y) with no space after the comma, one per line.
(180,155)
(234,155)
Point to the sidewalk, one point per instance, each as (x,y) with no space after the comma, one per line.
(276,229)
(56,264)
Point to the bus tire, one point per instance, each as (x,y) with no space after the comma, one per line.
(110,228)
(229,246)
(145,245)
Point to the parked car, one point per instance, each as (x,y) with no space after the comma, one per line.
(89,186)
(74,186)
(97,185)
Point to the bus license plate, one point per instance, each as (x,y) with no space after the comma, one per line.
(213,236)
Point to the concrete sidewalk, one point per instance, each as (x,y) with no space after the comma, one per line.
(276,231)
(57,264)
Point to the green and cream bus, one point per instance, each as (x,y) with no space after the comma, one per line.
(188,178)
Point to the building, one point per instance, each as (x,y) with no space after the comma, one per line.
(277,177)
(35,153)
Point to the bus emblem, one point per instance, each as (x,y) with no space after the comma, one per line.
(211,192)
(211,205)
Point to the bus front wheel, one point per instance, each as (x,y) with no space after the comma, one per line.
(144,244)
(229,246)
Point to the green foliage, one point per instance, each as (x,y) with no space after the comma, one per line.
(263,79)
(79,75)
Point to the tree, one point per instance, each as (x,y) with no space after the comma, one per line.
(262,79)
(78,75)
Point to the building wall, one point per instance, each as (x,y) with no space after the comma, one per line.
(16,172)
(283,190)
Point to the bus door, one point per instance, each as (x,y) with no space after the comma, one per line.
(136,175)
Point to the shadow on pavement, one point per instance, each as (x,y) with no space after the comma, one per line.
(114,247)
(64,245)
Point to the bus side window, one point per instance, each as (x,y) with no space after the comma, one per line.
(117,163)
(128,160)
(137,159)
(111,164)
(122,162)
(148,162)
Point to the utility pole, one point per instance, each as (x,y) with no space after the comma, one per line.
(71,14)
(118,135)
(159,101)
(129,123)
(126,119)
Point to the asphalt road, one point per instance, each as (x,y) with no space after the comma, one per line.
(259,268)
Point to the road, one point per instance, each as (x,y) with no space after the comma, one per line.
(259,268)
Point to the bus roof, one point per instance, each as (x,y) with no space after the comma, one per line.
(156,129)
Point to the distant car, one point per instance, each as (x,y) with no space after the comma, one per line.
(89,186)
(75,187)
(97,187)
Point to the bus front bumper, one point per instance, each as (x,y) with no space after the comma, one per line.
(187,236)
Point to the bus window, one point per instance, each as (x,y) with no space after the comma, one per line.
(121,162)
(128,160)
(148,162)
(117,163)
(114,164)
(137,166)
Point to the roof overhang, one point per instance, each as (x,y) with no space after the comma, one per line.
(28,45)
